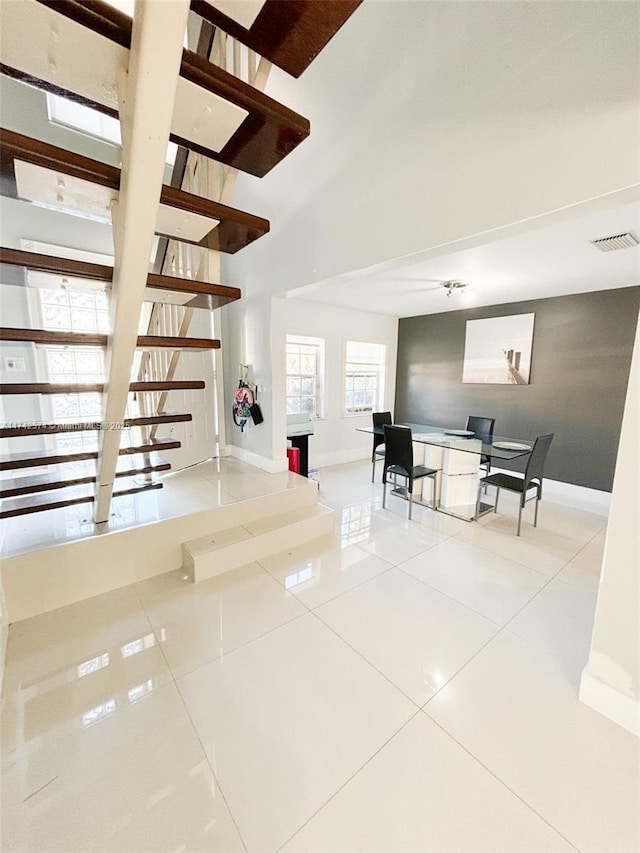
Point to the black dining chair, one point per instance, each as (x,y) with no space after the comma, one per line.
(482,427)
(380,419)
(398,461)
(532,479)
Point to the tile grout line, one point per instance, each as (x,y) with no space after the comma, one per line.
(346,782)
(366,660)
(499,780)
(213,773)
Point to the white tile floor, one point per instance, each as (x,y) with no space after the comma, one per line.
(402,686)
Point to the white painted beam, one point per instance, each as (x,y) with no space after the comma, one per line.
(147,95)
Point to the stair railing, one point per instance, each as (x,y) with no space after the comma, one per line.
(209,179)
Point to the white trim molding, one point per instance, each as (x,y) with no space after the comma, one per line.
(273,466)
(622,709)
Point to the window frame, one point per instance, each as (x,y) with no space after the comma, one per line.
(380,369)
(319,396)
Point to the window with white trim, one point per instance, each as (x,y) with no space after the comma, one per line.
(364,377)
(305,371)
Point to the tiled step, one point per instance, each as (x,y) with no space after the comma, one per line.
(232,547)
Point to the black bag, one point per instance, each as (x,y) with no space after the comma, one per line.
(256,413)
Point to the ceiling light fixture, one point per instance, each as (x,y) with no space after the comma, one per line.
(453,285)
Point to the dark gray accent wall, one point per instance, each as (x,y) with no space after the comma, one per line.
(582,346)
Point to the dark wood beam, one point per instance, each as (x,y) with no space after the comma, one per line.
(236,229)
(289,33)
(35,459)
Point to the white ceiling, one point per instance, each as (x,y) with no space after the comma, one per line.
(549,257)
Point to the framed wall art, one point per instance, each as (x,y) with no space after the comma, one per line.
(497,350)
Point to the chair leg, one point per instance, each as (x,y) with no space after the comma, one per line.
(373,471)
(535,515)
(519,517)
(495,506)
(384,491)
(475,517)
(410,497)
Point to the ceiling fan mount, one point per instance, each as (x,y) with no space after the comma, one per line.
(454,285)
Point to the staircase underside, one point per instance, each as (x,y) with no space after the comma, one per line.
(290,33)
(46,175)
(216,114)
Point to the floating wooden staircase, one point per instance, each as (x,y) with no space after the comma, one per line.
(253,132)
(44,174)
(223,122)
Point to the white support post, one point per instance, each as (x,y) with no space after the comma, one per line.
(146,96)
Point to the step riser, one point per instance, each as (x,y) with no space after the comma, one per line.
(207,565)
(42,580)
(255,509)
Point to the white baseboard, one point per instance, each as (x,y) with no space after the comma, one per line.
(577,497)
(339,457)
(616,706)
(273,466)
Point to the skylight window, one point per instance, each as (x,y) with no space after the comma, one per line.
(86,120)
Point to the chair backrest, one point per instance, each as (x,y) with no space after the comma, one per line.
(379,420)
(483,426)
(398,448)
(537,457)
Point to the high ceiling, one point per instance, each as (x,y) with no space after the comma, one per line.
(534,260)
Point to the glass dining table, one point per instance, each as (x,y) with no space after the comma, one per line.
(455,454)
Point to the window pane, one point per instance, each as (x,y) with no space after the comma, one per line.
(56,317)
(65,406)
(293,405)
(88,362)
(308,364)
(308,386)
(307,406)
(53,297)
(60,362)
(81,299)
(83,320)
(293,363)
(293,385)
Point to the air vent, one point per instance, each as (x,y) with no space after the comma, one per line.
(616,241)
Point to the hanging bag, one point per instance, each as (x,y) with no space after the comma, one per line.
(242,403)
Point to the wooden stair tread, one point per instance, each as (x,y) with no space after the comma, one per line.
(29,459)
(231,229)
(57,480)
(95,339)
(72,495)
(88,425)
(203,294)
(289,33)
(97,387)
(268,133)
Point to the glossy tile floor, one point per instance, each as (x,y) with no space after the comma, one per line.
(397,687)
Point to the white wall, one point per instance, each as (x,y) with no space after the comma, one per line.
(434,121)
(335,439)
(611,679)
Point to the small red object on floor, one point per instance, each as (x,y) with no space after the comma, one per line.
(293,454)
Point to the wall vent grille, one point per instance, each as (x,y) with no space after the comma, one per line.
(615,242)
